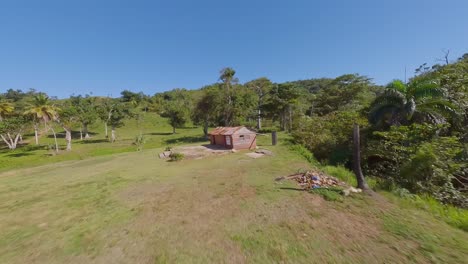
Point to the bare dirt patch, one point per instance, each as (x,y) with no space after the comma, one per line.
(200,152)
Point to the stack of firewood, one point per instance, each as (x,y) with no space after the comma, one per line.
(314,179)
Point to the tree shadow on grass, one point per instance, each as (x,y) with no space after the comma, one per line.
(19,154)
(292,189)
(186,140)
(75,134)
(92,141)
(159,134)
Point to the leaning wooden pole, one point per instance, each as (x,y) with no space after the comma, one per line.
(361,182)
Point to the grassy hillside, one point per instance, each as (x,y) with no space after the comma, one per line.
(136,208)
(155,129)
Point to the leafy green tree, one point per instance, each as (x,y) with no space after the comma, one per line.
(42,109)
(329,137)
(118,113)
(176,108)
(104,108)
(283,99)
(11,129)
(348,92)
(176,114)
(261,87)
(87,114)
(420,100)
(68,117)
(206,111)
(243,107)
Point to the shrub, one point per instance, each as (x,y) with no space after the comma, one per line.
(329,137)
(139,141)
(268,130)
(175,156)
(301,150)
(418,159)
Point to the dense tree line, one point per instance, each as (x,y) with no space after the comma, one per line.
(414,134)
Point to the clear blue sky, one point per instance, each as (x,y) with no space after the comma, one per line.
(65,47)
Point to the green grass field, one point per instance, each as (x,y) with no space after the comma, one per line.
(155,129)
(107,203)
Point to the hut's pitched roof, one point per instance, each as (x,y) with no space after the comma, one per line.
(226,131)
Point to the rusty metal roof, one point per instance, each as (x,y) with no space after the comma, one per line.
(225,131)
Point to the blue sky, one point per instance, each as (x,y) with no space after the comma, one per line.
(103,47)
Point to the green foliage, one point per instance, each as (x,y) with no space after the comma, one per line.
(139,141)
(304,152)
(283,104)
(6,108)
(421,100)
(175,156)
(350,92)
(42,108)
(452,215)
(118,113)
(329,137)
(341,173)
(415,158)
(85,107)
(207,108)
(176,107)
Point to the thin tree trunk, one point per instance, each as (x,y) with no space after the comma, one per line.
(205,129)
(259,119)
(173,130)
(36,134)
(11,143)
(105,129)
(81,133)
(290,119)
(68,138)
(113,134)
(361,182)
(55,139)
(85,131)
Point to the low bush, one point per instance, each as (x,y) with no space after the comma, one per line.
(420,160)
(175,156)
(139,141)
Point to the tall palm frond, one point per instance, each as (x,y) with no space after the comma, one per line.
(397,85)
(422,98)
(391,102)
(42,109)
(5,109)
(421,90)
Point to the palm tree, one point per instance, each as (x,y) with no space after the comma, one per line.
(5,109)
(420,100)
(41,109)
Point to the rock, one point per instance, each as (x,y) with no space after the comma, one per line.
(348,191)
(264,152)
(167,153)
(254,155)
(162,156)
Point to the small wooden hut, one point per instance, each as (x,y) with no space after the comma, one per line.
(233,137)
